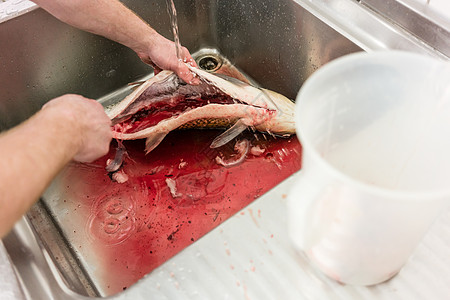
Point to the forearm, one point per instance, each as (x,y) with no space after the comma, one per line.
(32,154)
(108,18)
(113,20)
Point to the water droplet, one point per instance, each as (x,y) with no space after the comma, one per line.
(110,73)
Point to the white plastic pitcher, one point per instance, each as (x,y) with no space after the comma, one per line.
(375,131)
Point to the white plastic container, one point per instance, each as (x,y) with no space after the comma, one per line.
(375,130)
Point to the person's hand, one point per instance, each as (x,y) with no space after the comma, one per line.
(161,55)
(91,126)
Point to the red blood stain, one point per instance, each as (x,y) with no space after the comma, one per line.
(138,225)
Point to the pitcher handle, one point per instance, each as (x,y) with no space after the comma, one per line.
(312,205)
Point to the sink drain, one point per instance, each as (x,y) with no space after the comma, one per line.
(209,63)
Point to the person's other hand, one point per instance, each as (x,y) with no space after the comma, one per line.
(161,55)
(91,126)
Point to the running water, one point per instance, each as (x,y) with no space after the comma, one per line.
(173,20)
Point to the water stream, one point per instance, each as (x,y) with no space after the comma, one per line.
(174,23)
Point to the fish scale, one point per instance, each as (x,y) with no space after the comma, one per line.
(208,123)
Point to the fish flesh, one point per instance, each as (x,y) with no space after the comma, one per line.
(164,103)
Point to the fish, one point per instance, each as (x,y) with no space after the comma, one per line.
(164,103)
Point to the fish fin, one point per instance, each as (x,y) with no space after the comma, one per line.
(117,162)
(153,141)
(229,134)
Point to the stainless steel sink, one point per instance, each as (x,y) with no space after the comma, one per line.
(278,43)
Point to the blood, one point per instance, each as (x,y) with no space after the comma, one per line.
(138,225)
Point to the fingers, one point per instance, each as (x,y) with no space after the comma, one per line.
(183,71)
(156,69)
(89,125)
(162,56)
(186,75)
(96,132)
(187,58)
(95,143)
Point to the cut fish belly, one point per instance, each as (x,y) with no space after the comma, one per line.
(165,103)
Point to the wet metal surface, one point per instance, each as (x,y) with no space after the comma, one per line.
(121,231)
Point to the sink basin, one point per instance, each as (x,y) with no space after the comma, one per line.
(278,44)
